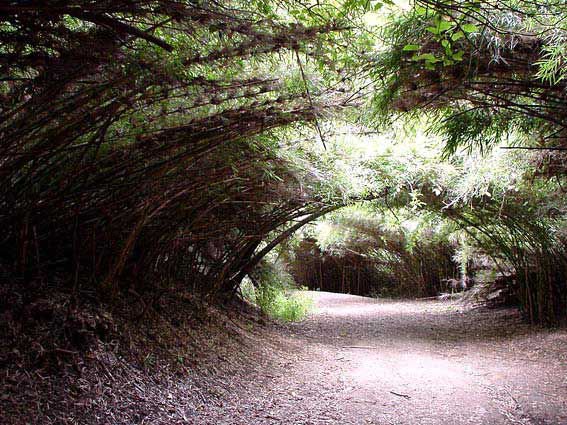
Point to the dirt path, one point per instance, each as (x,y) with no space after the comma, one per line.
(363,361)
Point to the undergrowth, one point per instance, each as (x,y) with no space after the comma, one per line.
(276,294)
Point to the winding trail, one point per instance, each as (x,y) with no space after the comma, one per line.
(359,360)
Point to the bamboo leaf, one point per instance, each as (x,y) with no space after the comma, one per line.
(432,30)
(411,47)
(426,56)
(468,28)
(457,36)
(445,25)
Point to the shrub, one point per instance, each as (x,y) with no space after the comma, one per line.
(276,293)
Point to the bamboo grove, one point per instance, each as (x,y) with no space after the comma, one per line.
(128,141)
(487,73)
(142,142)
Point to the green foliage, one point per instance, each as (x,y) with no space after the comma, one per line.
(478,211)
(372,250)
(276,293)
(445,32)
(472,68)
(183,145)
(280,304)
(152,131)
(553,63)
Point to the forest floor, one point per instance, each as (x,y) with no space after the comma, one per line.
(359,360)
(354,360)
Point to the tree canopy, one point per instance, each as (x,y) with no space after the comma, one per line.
(175,143)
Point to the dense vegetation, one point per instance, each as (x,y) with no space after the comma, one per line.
(155,145)
(489,74)
(136,144)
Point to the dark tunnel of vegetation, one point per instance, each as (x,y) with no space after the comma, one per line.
(159,145)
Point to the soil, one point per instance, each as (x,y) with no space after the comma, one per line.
(359,360)
(354,360)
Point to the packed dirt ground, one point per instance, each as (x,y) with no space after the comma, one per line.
(354,360)
(366,361)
